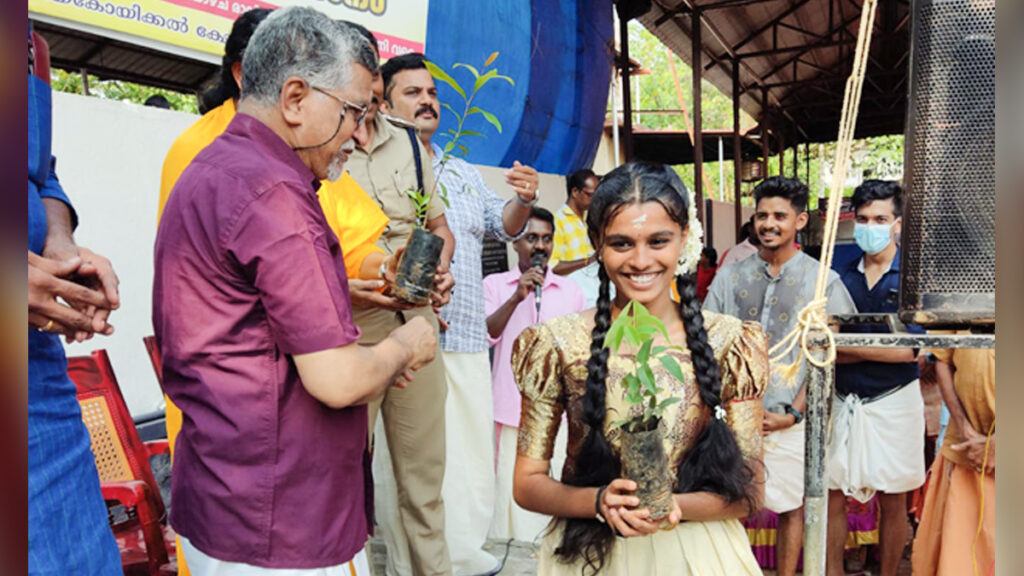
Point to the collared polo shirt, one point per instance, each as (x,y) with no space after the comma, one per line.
(559,296)
(386,171)
(748,291)
(570,241)
(247,274)
(869,379)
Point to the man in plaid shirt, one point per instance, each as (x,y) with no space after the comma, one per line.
(474,211)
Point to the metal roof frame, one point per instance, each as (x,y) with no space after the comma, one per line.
(793,58)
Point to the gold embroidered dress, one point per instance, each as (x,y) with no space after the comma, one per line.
(550,364)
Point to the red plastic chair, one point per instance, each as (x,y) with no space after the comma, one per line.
(122,461)
(154,357)
(41,66)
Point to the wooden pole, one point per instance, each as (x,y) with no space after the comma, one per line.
(820,382)
(737,159)
(627,103)
(766,148)
(698,127)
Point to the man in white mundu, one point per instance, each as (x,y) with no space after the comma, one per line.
(877,443)
(772,287)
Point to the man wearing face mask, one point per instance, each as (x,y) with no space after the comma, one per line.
(877,443)
(252,317)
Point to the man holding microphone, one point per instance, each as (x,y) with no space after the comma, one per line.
(514,301)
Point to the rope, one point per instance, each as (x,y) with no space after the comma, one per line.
(981,490)
(812,318)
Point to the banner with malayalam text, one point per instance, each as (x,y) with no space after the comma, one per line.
(203,25)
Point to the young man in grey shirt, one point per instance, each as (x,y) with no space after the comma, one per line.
(772,287)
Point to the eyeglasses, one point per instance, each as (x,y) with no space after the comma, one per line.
(346,106)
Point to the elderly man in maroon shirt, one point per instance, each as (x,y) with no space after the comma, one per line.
(252,315)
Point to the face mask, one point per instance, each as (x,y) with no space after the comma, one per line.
(872,238)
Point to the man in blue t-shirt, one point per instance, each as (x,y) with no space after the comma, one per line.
(71,292)
(877,441)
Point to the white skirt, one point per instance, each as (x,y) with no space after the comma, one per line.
(877,445)
(717,548)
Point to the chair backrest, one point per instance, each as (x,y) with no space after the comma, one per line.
(120,454)
(154,357)
(41,64)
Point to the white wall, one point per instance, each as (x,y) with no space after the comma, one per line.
(551,192)
(109,156)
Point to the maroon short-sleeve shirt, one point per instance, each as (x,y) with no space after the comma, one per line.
(248,273)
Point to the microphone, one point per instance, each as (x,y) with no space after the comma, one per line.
(537,261)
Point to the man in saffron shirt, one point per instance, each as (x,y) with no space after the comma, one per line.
(252,316)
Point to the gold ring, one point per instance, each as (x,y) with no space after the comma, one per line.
(46,327)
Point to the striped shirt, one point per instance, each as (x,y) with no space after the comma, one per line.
(474,211)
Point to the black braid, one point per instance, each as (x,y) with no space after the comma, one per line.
(715,463)
(588,538)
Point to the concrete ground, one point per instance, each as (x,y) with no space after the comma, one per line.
(520,559)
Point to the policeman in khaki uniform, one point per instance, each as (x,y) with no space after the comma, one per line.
(413,417)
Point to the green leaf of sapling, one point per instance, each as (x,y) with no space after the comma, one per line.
(668,402)
(492,119)
(467,67)
(613,339)
(458,117)
(647,329)
(443,76)
(632,335)
(645,352)
(647,378)
(483,79)
(673,367)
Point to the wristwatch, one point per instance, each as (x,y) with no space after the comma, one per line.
(529,204)
(798,416)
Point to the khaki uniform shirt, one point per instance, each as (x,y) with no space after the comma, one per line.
(386,171)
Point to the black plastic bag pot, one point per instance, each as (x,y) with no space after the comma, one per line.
(417,267)
(644,462)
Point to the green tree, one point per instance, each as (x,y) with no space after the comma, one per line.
(71,82)
(655,93)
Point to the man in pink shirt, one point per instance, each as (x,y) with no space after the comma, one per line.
(511,305)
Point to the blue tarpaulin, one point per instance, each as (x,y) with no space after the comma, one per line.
(560,56)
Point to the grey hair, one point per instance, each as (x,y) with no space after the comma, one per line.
(302,42)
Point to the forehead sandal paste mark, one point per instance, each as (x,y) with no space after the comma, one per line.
(638,222)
